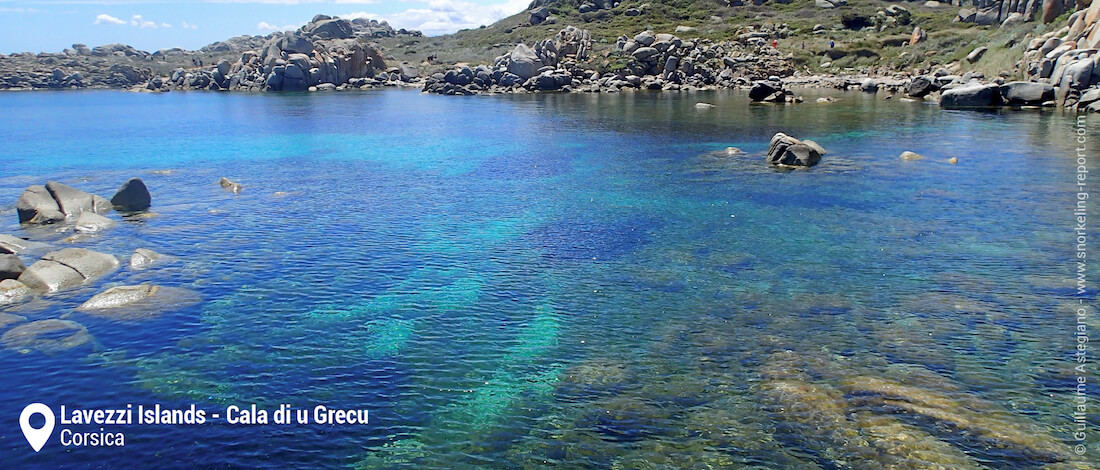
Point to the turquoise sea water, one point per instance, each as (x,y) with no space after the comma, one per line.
(564,280)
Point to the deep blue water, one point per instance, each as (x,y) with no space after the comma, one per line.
(571,280)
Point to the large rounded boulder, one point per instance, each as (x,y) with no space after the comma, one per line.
(524,62)
(971,96)
(133,196)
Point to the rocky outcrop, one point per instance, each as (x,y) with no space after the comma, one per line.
(133,196)
(326,53)
(1002,12)
(211,67)
(55,201)
(785,150)
(66,268)
(1067,58)
(647,61)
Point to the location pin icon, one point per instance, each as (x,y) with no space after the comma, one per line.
(36,437)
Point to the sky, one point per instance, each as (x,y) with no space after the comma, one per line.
(150,25)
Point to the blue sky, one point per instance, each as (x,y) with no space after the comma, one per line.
(52,25)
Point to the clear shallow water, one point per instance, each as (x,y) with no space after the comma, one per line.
(581,280)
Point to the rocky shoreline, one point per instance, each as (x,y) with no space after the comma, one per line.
(333,54)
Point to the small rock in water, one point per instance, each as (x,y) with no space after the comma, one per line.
(703,105)
(231,185)
(953,160)
(733,151)
(133,196)
(143,258)
(910,156)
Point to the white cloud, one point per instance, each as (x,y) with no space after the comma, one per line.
(186,25)
(265,26)
(107,19)
(138,21)
(165,25)
(447,16)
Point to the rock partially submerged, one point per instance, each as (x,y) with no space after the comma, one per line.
(11,267)
(16,245)
(1027,93)
(785,150)
(66,268)
(73,201)
(138,302)
(971,96)
(46,336)
(143,258)
(230,185)
(12,291)
(36,206)
(89,222)
(55,201)
(133,196)
(770,91)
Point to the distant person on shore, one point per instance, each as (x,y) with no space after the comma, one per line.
(831,44)
(775,44)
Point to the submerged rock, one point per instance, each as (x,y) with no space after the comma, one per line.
(910,156)
(12,291)
(90,222)
(7,319)
(143,258)
(67,268)
(137,302)
(966,416)
(16,245)
(133,196)
(46,336)
(789,151)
